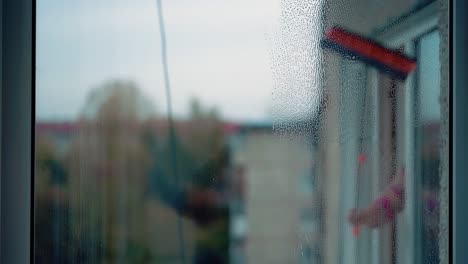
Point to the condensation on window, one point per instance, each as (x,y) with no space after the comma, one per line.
(237,132)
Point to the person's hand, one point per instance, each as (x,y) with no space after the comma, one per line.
(382,210)
(373,216)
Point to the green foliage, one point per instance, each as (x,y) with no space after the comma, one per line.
(93,199)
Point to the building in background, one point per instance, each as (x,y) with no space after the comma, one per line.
(277,219)
(275,215)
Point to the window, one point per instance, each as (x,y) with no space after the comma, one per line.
(180,132)
(413,134)
(428,135)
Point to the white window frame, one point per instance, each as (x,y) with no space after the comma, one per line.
(405,32)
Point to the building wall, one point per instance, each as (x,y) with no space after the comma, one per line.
(274,169)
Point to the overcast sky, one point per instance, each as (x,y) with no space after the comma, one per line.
(218,51)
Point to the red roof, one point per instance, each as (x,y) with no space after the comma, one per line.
(72,127)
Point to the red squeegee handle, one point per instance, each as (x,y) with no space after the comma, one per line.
(371,50)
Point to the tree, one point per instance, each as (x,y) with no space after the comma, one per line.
(120,143)
(199,145)
(206,143)
(108,172)
(51,207)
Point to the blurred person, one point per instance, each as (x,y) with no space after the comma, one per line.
(383,209)
(391,200)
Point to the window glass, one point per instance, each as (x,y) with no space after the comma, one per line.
(233,132)
(428,147)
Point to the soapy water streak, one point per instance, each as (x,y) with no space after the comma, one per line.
(296,68)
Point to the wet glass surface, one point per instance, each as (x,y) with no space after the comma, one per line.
(237,132)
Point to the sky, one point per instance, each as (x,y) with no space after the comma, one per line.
(218,51)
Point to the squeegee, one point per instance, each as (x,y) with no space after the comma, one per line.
(387,60)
